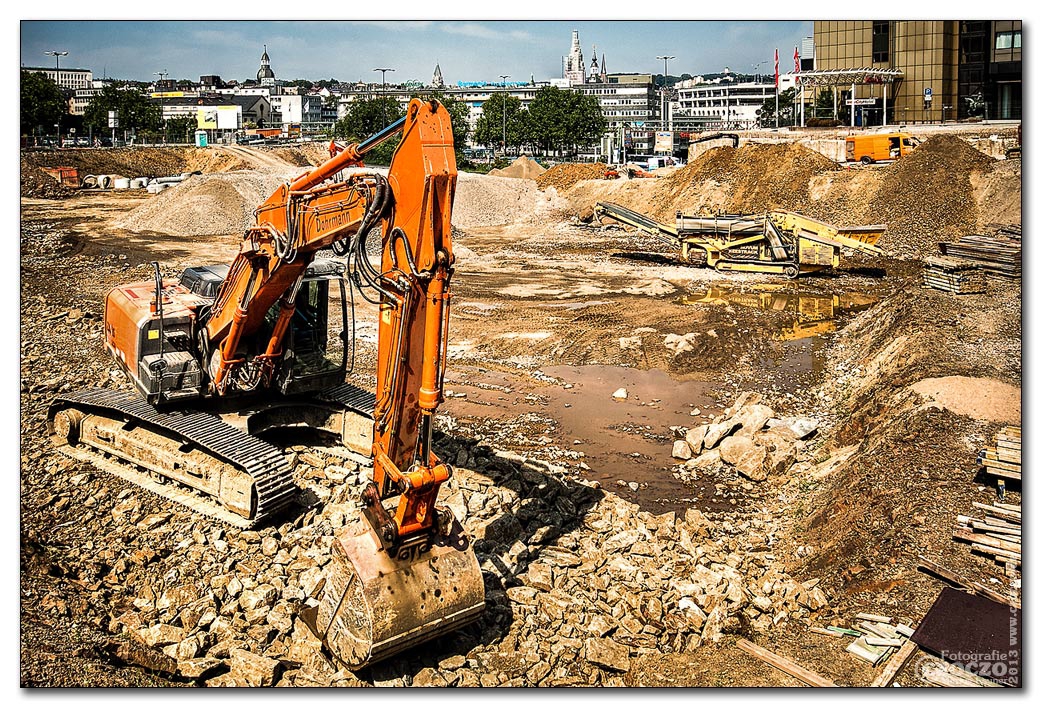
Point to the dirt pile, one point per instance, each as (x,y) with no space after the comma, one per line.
(37,184)
(759,178)
(566,176)
(928,196)
(521,168)
(484,200)
(204,205)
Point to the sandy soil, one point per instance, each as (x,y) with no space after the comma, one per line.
(550,316)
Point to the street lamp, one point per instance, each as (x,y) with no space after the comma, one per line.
(665,73)
(504,78)
(161,74)
(383,90)
(57,54)
(383,77)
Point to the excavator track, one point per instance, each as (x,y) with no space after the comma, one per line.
(270,487)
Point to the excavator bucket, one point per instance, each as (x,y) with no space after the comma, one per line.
(375,605)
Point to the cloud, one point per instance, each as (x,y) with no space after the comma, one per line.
(480,31)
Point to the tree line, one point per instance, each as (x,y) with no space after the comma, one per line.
(556,121)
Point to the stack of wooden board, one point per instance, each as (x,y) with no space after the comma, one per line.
(876,637)
(997,535)
(1003,460)
(997,254)
(953,275)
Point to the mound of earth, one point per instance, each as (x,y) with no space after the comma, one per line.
(204,205)
(566,176)
(484,200)
(928,196)
(521,168)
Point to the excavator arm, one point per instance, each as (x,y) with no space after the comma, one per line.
(412,208)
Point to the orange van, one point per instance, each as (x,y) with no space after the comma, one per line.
(879,146)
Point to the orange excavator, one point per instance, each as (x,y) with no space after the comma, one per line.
(227,353)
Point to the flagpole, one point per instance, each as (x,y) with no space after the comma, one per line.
(777,104)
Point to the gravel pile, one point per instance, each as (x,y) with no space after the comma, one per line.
(483,200)
(521,168)
(928,197)
(566,176)
(204,205)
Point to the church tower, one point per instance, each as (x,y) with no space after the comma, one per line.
(574,67)
(437,82)
(265,76)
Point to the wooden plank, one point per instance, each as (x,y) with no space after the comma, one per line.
(873,618)
(1003,473)
(1001,530)
(861,649)
(998,464)
(997,552)
(883,642)
(943,573)
(951,676)
(1001,523)
(782,664)
(1007,514)
(894,666)
(992,595)
(986,540)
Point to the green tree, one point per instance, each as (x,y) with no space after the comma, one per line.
(786,107)
(180,129)
(368,117)
(823,104)
(135,110)
(564,120)
(489,127)
(42,103)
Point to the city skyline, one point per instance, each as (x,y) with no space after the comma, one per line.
(347,51)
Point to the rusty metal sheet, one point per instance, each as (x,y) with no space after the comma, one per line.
(974,633)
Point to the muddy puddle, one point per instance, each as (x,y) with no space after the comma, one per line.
(800,317)
(568,415)
(812,312)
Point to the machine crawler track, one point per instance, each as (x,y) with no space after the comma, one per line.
(256,473)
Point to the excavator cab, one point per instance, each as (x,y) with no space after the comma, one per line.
(317,344)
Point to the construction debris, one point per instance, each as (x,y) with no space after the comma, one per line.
(997,535)
(997,254)
(953,275)
(1003,460)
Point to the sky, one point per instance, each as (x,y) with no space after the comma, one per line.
(348,51)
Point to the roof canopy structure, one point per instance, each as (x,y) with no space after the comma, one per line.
(845,77)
